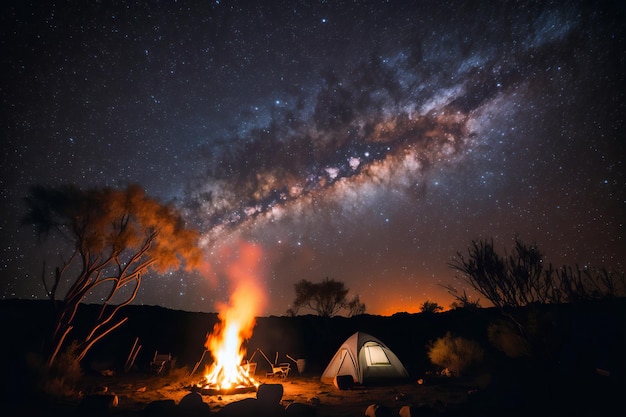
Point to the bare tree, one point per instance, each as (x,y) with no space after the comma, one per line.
(507,281)
(579,284)
(355,306)
(115,238)
(522,278)
(461,300)
(327,298)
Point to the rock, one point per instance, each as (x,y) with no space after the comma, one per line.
(244,408)
(269,394)
(251,407)
(418,411)
(300,410)
(406,412)
(376,410)
(192,405)
(161,408)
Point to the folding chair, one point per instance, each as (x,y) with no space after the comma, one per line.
(160,361)
(281,370)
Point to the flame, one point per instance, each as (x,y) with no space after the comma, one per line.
(237,321)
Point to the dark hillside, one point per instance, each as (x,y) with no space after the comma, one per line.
(592,332)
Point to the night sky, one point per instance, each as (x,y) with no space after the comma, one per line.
(364,141)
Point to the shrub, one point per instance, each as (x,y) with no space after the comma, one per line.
(504,337)
(63,375)
(59,380)
(457,354)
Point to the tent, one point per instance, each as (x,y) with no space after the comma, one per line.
(366,359)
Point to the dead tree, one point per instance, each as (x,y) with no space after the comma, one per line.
(114,239)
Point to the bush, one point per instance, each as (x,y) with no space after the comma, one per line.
(64,374)
(38,380)
(504,337)
(457,354)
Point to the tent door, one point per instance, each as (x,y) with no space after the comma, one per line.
(375,355)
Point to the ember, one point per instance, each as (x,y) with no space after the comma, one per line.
(222,381)
(244,383)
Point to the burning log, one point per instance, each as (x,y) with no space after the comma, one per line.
(223,381)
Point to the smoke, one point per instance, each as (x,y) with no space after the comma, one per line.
(245,274)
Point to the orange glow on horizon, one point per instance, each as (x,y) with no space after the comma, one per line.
(392,302)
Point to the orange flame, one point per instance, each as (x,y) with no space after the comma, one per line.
(237,321)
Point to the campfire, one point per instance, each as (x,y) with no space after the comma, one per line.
(228,374)
(222,382)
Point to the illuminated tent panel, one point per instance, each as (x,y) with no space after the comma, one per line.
(366,359)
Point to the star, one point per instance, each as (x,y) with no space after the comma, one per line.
(370,152)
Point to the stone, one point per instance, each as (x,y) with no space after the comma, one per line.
(297,409)
(251,407)
(418,411)
(270,394)
(376,410)
(161,408)
(248,407)
(192,405)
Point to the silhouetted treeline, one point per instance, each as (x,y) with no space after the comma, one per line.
(591,332)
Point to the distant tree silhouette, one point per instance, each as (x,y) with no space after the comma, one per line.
(430,307)
(355,306)
(326,298)
(115,237)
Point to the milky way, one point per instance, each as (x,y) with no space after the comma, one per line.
(364,142)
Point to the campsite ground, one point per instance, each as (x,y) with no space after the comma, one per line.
(135,392)
(436,396)
(584,375)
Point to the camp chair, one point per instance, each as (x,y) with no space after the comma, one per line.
(160,361)
(280,370)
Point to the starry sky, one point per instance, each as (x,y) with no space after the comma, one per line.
(363,141)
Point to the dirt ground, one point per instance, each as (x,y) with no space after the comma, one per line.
(135,392)
(433,395)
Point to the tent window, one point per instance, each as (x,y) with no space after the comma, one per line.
(375,355)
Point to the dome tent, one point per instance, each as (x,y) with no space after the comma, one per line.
(366,359)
